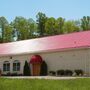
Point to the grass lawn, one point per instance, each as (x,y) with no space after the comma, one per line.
(41,84)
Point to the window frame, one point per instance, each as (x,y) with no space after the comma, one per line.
(16,65)
(6,66)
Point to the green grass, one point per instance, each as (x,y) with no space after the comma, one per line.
(41,84)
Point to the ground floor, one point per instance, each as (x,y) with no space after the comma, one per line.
(70,59)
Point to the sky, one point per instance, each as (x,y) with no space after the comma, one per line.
(69,9)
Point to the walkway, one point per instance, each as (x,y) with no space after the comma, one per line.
(41,77)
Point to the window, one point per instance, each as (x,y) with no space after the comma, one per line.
(16,65)
(6,66)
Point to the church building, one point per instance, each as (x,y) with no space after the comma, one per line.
(67,51)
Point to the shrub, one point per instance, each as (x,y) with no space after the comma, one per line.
(79,72)
(68,72)
(20,74)
(7,74)
(14,74)
(60,72)
(26,70)
(3,74)
(53,73)
(43,71)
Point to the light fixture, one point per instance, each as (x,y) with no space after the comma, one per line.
(10,57)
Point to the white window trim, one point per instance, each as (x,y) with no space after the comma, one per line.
(6,69)
(16,67)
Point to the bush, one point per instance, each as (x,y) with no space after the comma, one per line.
(43,71)
(14,74)
(26,70)
(20,74)
(60,72)
(7,74)
(53,73)
(68,72)
(79,72)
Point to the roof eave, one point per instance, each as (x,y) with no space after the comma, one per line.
(46,51)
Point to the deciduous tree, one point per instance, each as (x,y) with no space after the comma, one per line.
(85,23)
(50,26)
(59,25)
(23,27)
(41,19)
(70,26)
(3,24)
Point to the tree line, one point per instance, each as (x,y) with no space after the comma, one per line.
(21,28)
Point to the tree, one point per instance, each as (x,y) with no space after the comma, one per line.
(26,70)
(3,24)
(59,25)
(22,27)
(70,26)
(50,26)
(41,19)
(8,34)
(33,28)
(44,69)
(85,23)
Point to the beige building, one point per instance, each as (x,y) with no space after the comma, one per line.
(68,51)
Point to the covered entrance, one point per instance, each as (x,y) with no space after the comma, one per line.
(36,61)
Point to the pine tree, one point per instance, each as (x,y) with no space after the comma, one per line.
(26,70)
(44,69)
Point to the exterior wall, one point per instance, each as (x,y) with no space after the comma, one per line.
(21,59)
(88,61)
(72,59)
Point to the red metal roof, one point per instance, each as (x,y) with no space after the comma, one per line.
(46,44)
(36,59)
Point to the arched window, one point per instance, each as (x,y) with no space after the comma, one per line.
(16,65)
(6,66)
